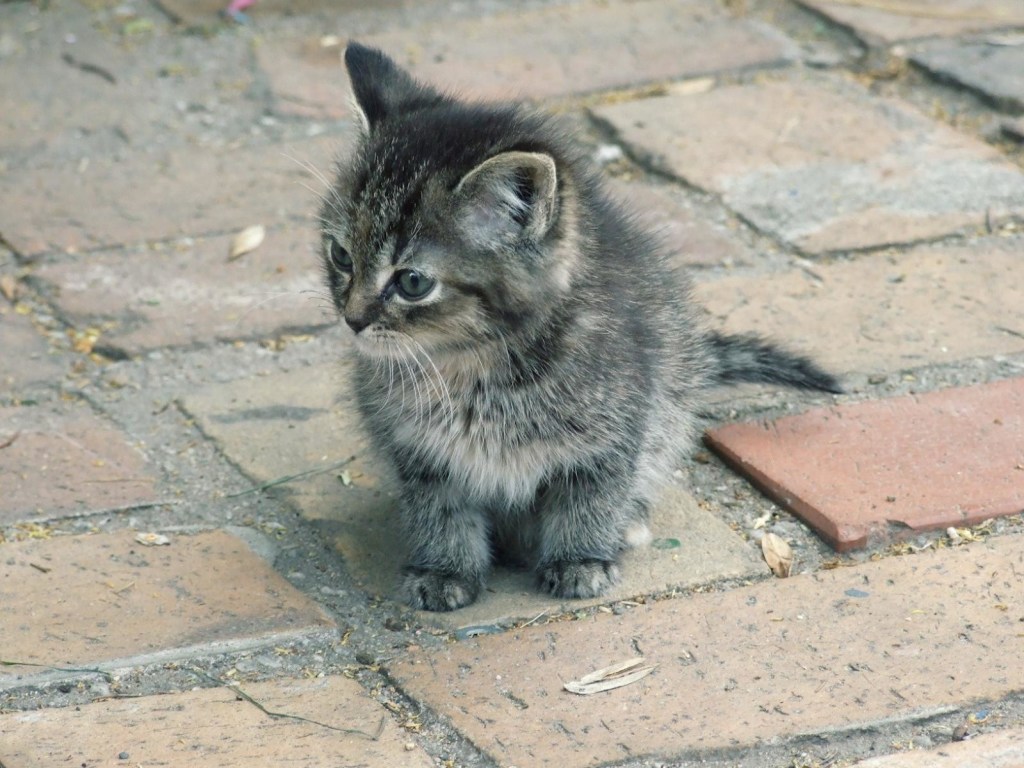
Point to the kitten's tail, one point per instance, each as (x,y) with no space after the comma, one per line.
(748,357)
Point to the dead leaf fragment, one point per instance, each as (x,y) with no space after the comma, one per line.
(152,539)
(9,287)
(615,676)
(778,554)
(246,241)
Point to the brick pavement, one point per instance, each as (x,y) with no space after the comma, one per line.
(151,387)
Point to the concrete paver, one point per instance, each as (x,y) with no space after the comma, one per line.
(1003,749)
(188,292)
(215,727)
(65,463)
(187,193)
(281,425)
(899,639)
(862,472)
(822,164)
(889,22)
(108,600)
(537,54)
(26,359)
(884,312)
(996,71)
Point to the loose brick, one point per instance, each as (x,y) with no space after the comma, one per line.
(64,463)
(859,473)
(216,727)
(1003,749)
(282,425)
(548,52)
(822,164)
(106,600)
(994,71)
(187,292)
(189,192)
(26,358)
(895,639)
(885,312)
(876,24)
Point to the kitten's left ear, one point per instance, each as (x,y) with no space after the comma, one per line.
(508,197)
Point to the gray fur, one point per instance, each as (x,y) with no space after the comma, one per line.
(534,400)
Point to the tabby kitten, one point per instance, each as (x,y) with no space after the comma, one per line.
(526,360)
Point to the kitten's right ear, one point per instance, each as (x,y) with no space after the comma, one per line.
(381,88)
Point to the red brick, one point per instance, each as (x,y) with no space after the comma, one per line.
(186,192)
(215,728)
(548,52)
(893,640)
(1003,749)
(107,600)
(65,463)
(891,22)
(859,473)
(822,164)
(187,292)
(26,358)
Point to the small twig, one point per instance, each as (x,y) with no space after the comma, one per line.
(92,69)
(539,615)
(41,568)
(289,478)
(10,440)
(284,715)
(109,677)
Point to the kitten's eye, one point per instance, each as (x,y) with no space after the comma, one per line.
(340,258)
(413,285)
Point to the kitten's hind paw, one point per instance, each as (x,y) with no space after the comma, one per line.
(435,591)
(578,578)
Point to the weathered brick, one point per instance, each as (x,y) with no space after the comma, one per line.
(216,727)
(822,164)
(885,312)
(556,51)
(106,600)
(67,462)
(26,358)
(890,640)
(891,22)
(863,472)
(188,292)
(283,425)
(1002,749)
(994,71)
(186,192)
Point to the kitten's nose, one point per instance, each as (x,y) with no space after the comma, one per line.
(357,322)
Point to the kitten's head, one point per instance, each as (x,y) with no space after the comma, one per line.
(452,225)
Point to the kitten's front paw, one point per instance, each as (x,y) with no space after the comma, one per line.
(575,578)
(435,591)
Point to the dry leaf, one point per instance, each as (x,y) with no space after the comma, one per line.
(9,287)
(615,676)
(249,239)
(777,554)
(152,539)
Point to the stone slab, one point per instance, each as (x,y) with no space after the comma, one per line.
(886,22)
(214,727)
(1002,749)
(994,71)
(885,312)
(540,53)
(184,293)
(897,639)
(67,462)
(107,601)
(822,164)
(691,239)
(191,192)
(282,425)
(865,472)
(26,358)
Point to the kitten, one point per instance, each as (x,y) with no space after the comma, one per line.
(525,360)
